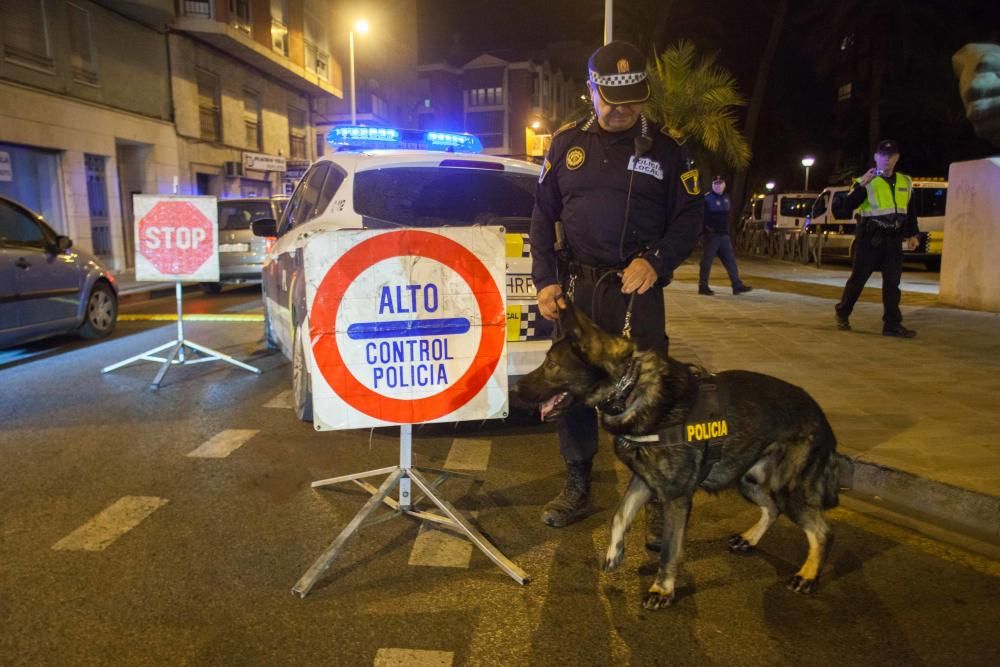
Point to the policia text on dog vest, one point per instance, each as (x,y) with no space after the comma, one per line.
(705,427)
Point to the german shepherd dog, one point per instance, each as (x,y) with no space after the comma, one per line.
(771,438)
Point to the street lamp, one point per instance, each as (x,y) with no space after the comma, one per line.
(807,162)
(769,186)
(361,26)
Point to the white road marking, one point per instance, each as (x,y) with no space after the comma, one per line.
(222,444)
(282,400)
(468,454)
(436,546)
(114,521)
(411,657)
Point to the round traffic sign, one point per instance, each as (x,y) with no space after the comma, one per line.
(326,306)
(176,237)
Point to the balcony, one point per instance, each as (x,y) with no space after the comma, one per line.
(266,57)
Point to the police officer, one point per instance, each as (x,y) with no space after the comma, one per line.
(884,200)
(630,208)
(717,240)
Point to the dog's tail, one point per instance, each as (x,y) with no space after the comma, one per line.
(829,480)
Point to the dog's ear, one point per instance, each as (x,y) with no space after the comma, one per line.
(598,347)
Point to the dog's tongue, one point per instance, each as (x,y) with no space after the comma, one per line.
(549,405)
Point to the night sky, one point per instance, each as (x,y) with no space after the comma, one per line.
(920,105)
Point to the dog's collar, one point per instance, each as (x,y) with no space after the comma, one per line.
(615,403)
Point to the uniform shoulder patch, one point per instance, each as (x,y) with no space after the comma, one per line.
(675,137)
(690,181)
(568,126)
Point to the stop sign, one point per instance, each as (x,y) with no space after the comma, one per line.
(176,237)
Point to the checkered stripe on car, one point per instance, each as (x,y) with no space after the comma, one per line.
(518,245)
(525,323)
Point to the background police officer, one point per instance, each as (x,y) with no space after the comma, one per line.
(884,200)
(717,240)
(631,210)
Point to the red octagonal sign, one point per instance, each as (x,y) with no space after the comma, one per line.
(176,237)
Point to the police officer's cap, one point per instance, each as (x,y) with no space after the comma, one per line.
(618,69)
(887,147)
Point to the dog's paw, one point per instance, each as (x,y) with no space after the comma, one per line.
(738,544)
(657,599)
(613,558)
(801,585)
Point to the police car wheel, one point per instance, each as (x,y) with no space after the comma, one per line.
(301,383)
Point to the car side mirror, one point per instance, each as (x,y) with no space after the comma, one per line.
(62,244)
(265,227)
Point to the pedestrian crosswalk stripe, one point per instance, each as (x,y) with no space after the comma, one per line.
(412,657)
(468,454)
(222,444)
(282,400)
(440,547)
(114,521)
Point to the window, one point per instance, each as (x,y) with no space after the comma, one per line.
(320,145)
(841,211)
(479,97)
(296,134)
(97,202)
(199,9)
(18,229)
(239,15)
(279,26)
(426,196)
(488,126)
(209,112)
(330,186)
(317,45)
(25,33)
(81,44)
(302,204)
(929,202)
(795,206)
(251,118)
(234,216)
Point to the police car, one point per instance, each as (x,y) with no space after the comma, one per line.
(384,178)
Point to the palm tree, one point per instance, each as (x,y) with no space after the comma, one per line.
(696,99)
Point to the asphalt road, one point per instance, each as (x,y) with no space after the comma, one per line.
(211,475)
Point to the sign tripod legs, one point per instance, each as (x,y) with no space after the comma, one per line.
(177,353)
(401,476)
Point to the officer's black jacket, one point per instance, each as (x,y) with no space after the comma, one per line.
(664,219)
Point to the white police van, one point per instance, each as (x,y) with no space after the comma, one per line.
(383,178)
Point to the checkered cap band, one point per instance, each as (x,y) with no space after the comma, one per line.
(615,80)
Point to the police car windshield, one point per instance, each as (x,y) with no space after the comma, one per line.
(438,196)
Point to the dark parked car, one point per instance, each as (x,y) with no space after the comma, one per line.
(45,287)
(241,254)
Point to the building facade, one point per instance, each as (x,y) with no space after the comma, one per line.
(513,106)
(100,100)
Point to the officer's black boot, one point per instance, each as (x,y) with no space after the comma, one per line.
(573,502)
(654,525)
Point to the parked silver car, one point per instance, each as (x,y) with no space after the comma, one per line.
(45,287)
(241,254)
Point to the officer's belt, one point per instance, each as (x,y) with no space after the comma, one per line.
(710,407)
(594,273)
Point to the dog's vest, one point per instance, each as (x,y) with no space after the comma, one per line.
(706,426)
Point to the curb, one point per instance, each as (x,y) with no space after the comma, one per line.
(970,513)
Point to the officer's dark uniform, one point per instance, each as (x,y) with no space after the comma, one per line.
(584,184)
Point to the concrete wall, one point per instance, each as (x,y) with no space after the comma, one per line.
(970,274)
(129,57)
(35,118)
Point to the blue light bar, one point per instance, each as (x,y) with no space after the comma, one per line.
(360,137)
(459,142)
(363,137)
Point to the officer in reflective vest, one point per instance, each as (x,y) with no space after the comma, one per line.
(883,199)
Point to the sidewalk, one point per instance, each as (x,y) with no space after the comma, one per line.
(916,420)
